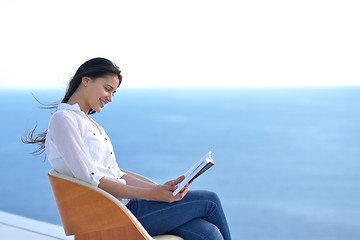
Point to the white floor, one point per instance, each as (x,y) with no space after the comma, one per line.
(14,227)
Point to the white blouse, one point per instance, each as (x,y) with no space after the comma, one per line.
(79,147)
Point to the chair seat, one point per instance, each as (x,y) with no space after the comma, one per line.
(167,237)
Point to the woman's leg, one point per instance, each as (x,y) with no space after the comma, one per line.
(159,217)
(198,229)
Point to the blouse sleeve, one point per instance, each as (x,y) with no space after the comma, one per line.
(67,137)
(119,172)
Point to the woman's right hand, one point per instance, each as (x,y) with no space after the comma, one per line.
(164,193)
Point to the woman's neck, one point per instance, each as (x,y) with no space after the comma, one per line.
(76,99)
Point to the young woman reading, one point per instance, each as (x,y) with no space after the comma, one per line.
(77,146)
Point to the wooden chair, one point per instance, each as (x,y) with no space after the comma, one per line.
(91,213)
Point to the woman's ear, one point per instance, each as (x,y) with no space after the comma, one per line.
(85,81)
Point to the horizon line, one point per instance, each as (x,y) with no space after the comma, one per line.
(194,87)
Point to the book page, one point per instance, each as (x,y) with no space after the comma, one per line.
(196,170)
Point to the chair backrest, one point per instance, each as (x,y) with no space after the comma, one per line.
(89,212)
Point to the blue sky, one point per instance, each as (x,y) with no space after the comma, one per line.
(189,43)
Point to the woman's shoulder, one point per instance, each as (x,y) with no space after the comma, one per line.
(66,115)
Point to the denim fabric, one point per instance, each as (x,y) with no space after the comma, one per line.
(199,215)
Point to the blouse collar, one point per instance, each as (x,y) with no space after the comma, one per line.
(65,106)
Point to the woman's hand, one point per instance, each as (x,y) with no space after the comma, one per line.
(176,182)
(164,193)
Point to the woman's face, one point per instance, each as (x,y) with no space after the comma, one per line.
(99,91)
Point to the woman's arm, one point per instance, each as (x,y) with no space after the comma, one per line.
(142,190)
(133,180)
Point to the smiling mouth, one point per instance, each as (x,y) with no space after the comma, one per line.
(102,103)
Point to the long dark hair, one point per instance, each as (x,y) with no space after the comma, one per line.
(93,68)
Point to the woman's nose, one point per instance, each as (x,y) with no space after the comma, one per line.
(109,98)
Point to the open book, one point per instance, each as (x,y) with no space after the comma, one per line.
(196,170)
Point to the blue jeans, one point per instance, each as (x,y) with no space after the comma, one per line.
(198,216)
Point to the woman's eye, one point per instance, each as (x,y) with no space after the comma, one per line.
(109,89)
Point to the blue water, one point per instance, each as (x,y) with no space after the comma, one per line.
(287,160)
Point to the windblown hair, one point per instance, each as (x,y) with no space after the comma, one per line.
(93,68)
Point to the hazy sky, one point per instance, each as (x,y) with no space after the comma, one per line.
(182,43)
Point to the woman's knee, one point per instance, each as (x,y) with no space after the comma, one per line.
(213,196)
(205,194)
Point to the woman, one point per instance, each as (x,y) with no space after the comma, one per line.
(77,146)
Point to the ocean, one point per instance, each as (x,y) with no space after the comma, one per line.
(286,159)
